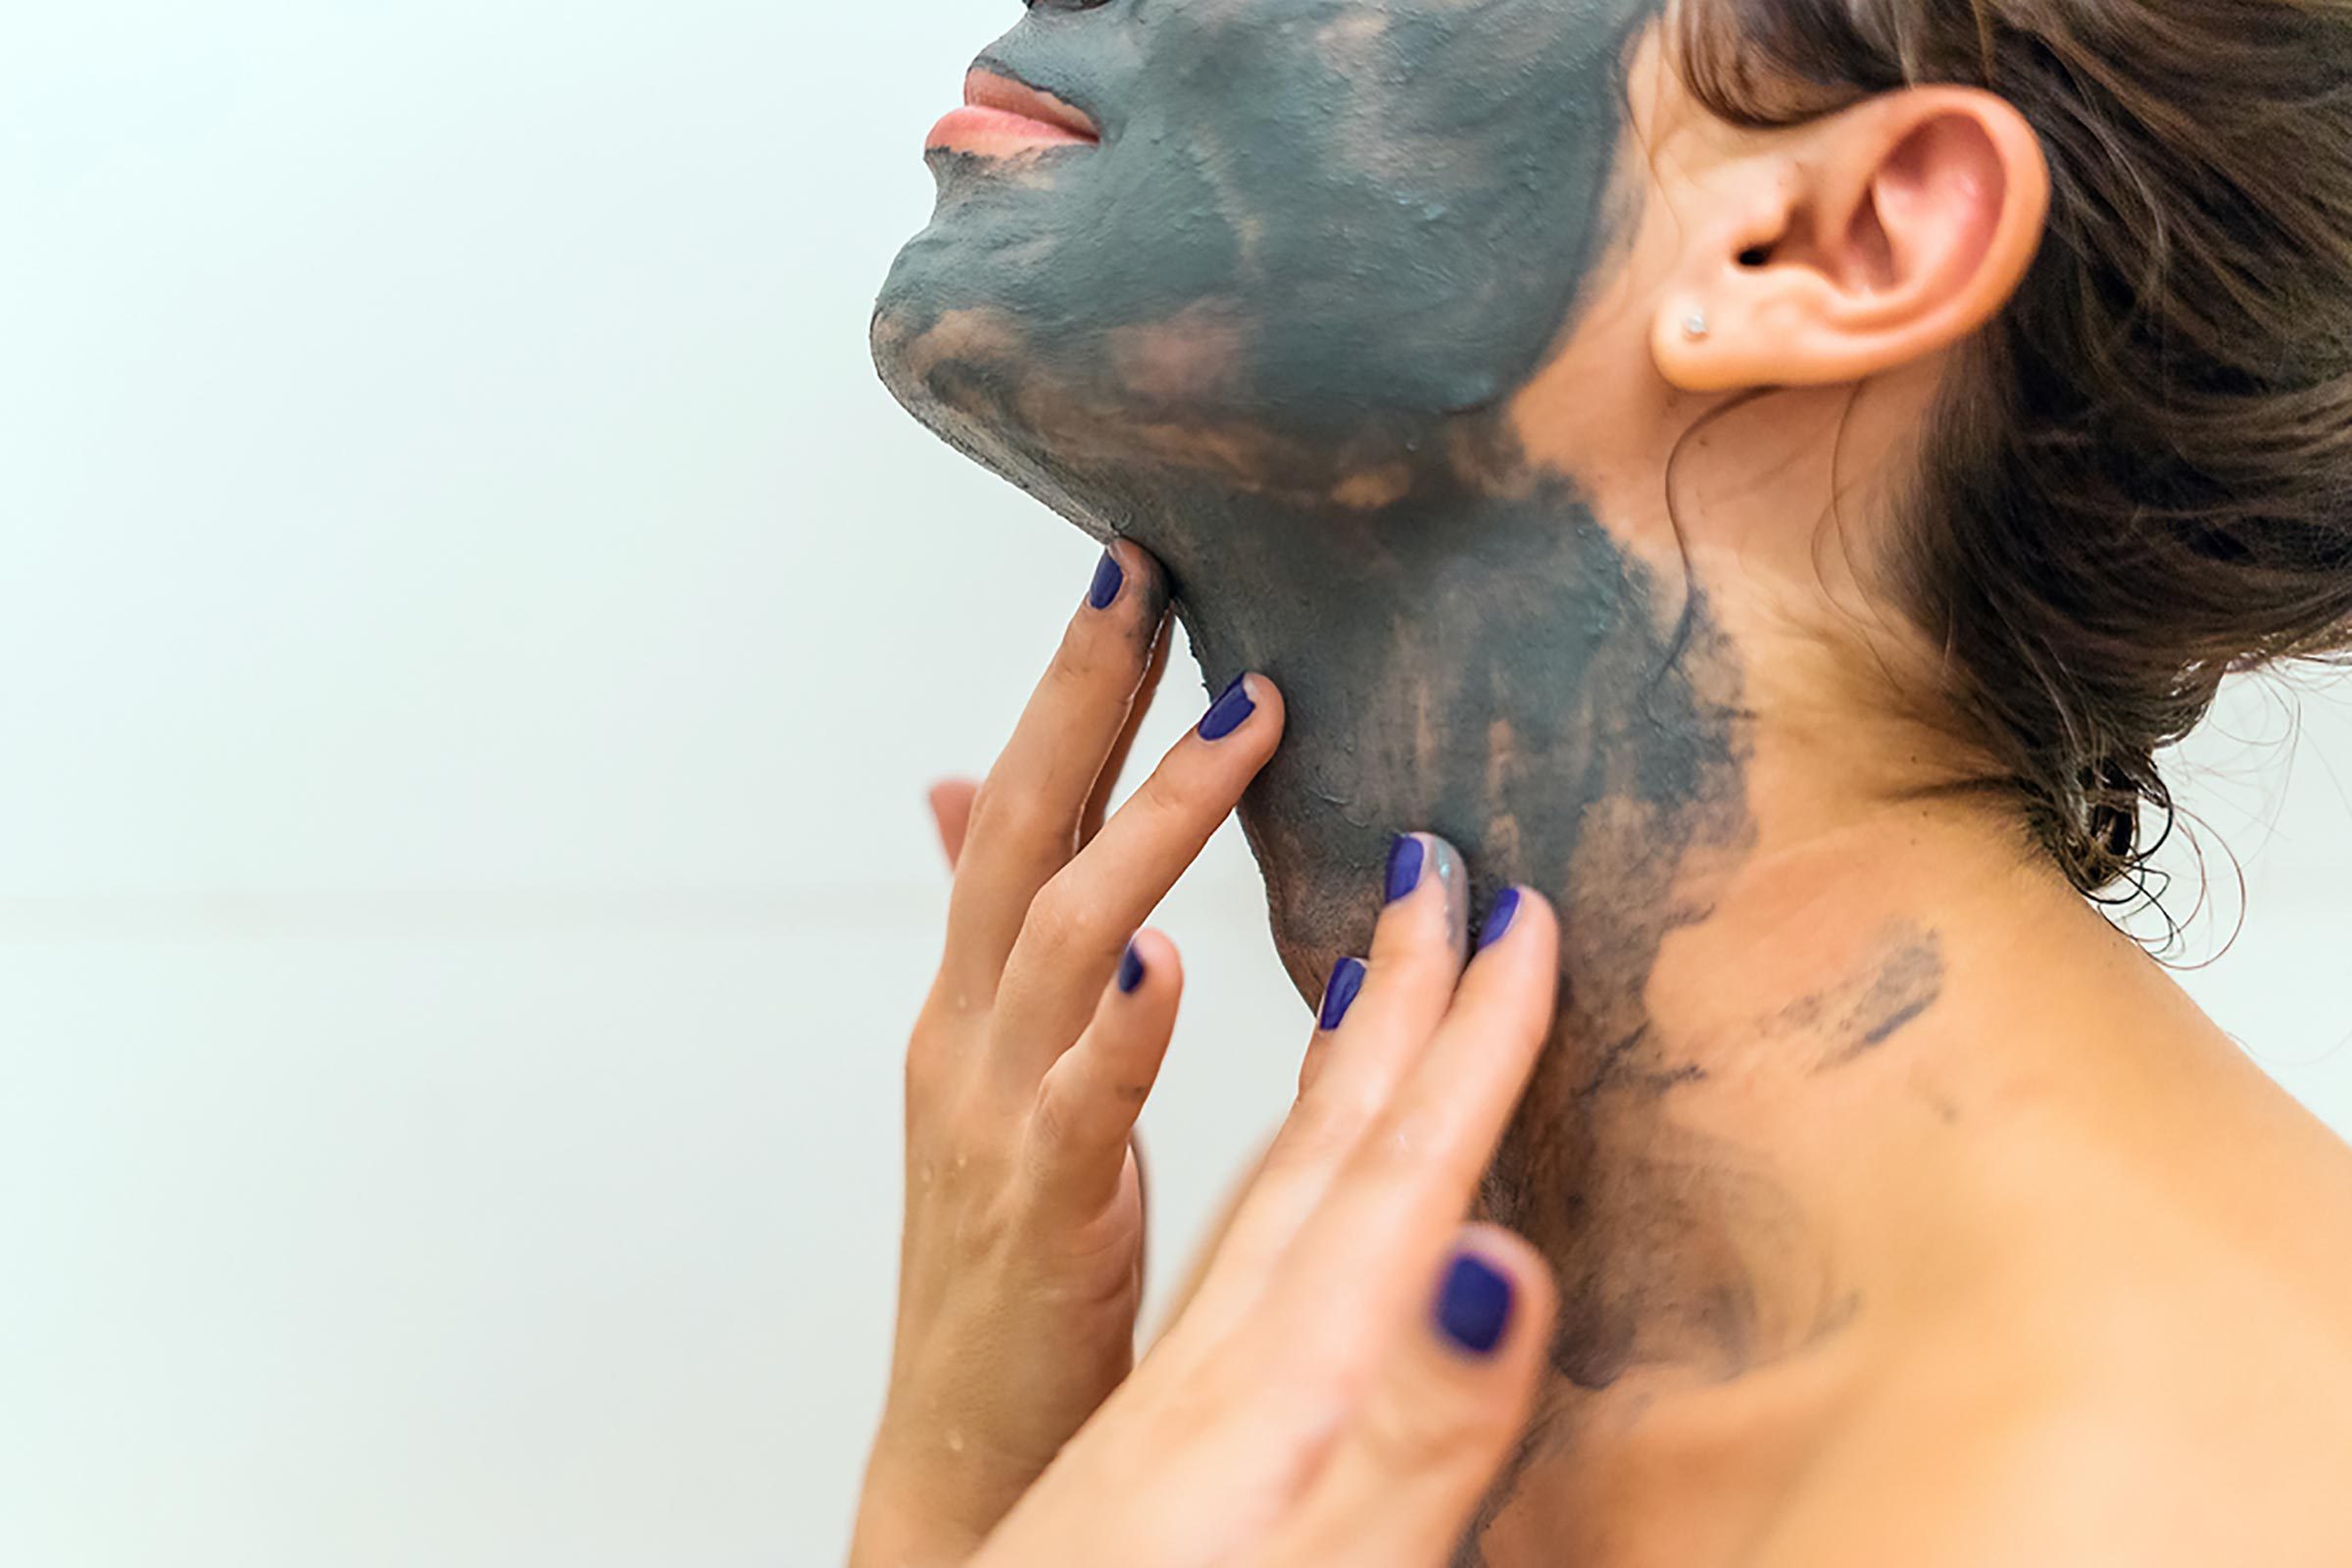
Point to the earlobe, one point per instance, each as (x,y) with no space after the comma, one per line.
(1869,240)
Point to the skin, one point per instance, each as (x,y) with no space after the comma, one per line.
(1023,1238)
(1335,498)
(1888,1190)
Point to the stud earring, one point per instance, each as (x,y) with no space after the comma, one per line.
(1696,326)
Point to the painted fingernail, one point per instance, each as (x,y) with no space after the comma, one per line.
(1499,918)
(1406,856)
(1109,578)
(1131,973)
(1474,1304)
(1446,864)
(1347,984)
(1229,711)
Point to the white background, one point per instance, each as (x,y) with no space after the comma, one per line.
(473,639)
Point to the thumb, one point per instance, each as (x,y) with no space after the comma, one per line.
(951,811)
(1445,1412)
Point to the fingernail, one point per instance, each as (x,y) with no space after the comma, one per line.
(1406,859)
(1109,578)
(1229,711)
(1131,973)
(1347,983)
(1499,918)
(1474,1305)
(1446,864)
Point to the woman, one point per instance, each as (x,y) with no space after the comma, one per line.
(1767,479)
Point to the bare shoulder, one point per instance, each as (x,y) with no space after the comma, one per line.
(2189,1415)
(2068,1488)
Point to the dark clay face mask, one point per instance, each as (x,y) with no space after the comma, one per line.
(1268,329)
(1314,232)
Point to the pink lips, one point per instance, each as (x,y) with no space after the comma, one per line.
(1002,117)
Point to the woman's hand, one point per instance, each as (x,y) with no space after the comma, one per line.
(1021,1269)
(1356,1365)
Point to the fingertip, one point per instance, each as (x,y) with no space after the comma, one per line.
(1347,983)
(1151,968)
(951,803)
(1109,582)
(1273,719)
(1273,713)
(1496,1298)
(1250,709)
(1127,574)
(1519,915)
(1425,892)
(1129,583)
(1111,634)
(1141,567)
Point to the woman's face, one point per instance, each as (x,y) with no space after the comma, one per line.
(1311,233)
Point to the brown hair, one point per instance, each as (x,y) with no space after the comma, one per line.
(2141,481)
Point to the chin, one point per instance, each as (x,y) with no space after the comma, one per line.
(957,372)
(1089,399)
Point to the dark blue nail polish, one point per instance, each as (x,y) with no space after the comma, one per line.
(1109,578)
(1131,973)
(1500,917)
(1347,983)
(1406,856)
(1229,711)
(1474,1305)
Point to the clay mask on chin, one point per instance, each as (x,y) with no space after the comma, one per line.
(1313,235)
(1269,327)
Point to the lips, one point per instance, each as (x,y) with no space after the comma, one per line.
(1001,117)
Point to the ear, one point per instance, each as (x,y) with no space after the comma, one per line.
(1856,244)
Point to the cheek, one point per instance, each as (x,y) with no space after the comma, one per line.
(1322,233)
(1389,210)
(1192,360)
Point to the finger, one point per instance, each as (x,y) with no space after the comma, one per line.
(1098,806)
(1024,823)
(1448,1410)
(1375,1021)
(952,814)
(1393,1211)
(1143,1206)
(1078,925)
(1088,1105)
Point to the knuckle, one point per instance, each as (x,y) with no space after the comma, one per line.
(1085,657)
(1176,793)
(1427,1423)
(1068,1112)
(1071,1130)
(1002,815)
(1053,1120)
(1401,1149)
(1064,915)
(1410,941)
(988,801)
(1320,1132)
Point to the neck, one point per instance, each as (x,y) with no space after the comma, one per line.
(1494,668)
(1494,664)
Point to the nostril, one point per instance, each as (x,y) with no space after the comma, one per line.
(1063,5)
